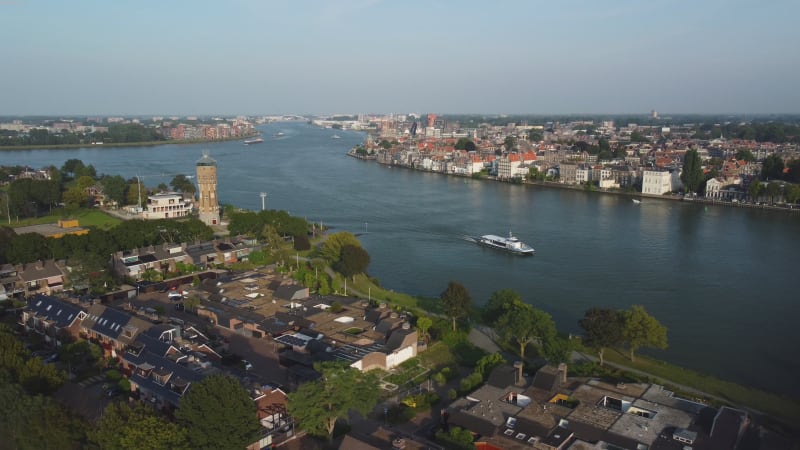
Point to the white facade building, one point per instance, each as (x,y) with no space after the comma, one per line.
(166,205)
(656,183)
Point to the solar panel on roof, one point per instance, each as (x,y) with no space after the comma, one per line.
(291,340)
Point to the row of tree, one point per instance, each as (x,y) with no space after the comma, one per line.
(128,133)
(635,328)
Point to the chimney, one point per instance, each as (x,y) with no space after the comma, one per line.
(520,378)
(562,371)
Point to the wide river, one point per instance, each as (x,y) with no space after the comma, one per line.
(721,279)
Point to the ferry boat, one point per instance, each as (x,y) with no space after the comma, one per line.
(636,201)
(253,141)
(510,244)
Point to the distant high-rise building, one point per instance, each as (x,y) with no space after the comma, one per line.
(208,202)
(654,114)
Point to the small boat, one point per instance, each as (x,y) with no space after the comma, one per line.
(253,141)
(636,201)
(278,134)
(336,136)
(510,244)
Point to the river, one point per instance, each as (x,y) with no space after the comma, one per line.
(721,279)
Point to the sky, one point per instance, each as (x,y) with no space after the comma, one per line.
(256,57)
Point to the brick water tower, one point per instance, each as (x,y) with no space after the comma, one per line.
(207,202)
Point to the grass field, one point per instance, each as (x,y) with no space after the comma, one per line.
(86,218)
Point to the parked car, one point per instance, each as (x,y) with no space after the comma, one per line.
(247,365)
(175,295)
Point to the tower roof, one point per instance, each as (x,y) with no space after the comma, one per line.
(206,160)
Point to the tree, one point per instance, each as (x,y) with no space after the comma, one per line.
(755,189)
(792,193)
(500,302)
(465,144)
(772,168)
(353,260)
(318,405)
(114,188)
(603,328)
(424,324)
(301,242)
(182,184)
(794,170)
(510,143)
(692,175)
(638,137)
(643,330)
(745,154)
(525,324)
(456,302)
(332,247)
(125,428)
(456,438)
(773,190)
(75,197)
(32,422)
(191,303)
(534,135)
(218,412)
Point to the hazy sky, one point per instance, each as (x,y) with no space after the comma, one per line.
(319,57)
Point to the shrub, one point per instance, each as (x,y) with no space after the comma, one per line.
(113,375)
(439,379)
(336,307)
(301,242)
(452,394)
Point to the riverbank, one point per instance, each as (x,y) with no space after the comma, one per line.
(582,188)
(127,144)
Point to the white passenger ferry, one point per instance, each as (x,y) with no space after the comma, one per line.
(509,244)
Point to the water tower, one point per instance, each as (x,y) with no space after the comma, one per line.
(208,202)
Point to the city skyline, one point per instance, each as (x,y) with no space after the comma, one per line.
(377,56)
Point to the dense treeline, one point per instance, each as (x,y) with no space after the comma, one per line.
(756,131)
(100,244)
(132,132)
(253,223)
(68,187)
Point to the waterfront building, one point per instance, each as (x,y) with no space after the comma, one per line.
(656,183)
(208,202)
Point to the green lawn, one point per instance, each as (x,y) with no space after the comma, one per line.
(771,404)
(86,218)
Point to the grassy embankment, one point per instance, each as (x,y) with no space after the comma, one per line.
(86,218)
(771,404)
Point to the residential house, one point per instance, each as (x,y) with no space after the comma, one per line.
(114,330)
(10,283)
(57,321)
(161,258)
(41,277)
(567,173)
(277,425)
(157,370)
